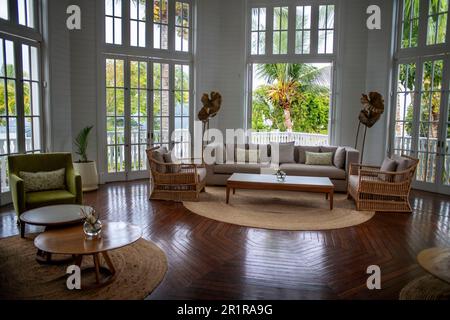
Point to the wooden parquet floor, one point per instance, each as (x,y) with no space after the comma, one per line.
(213,260)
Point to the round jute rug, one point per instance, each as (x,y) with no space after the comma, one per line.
(279,210)
(140,268)
(426,288)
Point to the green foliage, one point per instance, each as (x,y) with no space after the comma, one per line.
(81,143)
(296,87)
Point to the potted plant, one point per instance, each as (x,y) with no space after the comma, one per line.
(87,169)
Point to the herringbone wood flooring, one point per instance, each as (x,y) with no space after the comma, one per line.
(213,260)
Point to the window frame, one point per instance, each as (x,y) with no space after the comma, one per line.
(12,26)
(148,50)
(291,56)
(418,55)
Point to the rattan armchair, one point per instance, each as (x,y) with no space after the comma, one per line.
(376,190)
(175,181)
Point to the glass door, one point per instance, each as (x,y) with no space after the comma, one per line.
(422,120)
(147,103)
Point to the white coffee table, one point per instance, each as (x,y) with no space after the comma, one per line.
(270,182)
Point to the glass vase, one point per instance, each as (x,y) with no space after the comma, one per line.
(92,231)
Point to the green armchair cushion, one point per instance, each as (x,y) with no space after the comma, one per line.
(23,200)
(49,198)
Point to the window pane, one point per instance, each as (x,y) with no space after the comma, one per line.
(10,60)
(34,64)
(134,9)
(164,36)
(262,43)
(329,42)
(254,43)
(322,17)
(255,16)
(117,31)
(35,94)
(4,9)
(117,8)
(262,19)
(142,35)
(109,7)
(133,33)
(2,63)
(109,30)
(22,14)
(26,61)
(322,39)
(26,98)
(157,36)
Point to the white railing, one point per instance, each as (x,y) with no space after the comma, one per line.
(300,138)
(4,179)
(426,170)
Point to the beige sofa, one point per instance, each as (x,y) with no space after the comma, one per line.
(225,164)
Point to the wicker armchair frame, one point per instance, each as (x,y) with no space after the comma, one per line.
(390,194)
(184,185)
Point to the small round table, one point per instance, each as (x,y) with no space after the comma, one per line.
(72,241)
(436,261)
(52,217)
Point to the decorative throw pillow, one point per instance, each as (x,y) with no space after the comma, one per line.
(301,155)
(168,159)
(319,158)
(264,153)
(247,155)
(45,180)
(388,165)
(158,155)
(339,158)
(402,165)
(282,152)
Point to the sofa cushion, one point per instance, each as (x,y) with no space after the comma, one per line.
(168,159)
(44,180)
(319,158)
(299,153)
(285,152)
(247,155)
(339,158)
(47,198)
(298,169)
(237,168)
(158,155)
(328,149)
(402,165)
(388,165)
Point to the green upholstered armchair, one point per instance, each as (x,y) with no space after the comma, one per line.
(23,201)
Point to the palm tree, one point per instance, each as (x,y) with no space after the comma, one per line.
(287,82)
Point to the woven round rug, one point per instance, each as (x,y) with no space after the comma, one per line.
(279,210)
(140,267)
(426,288)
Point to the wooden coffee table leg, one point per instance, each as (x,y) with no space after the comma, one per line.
(228,194)
(97,267)
(234,190)
(331,199)
(109,262)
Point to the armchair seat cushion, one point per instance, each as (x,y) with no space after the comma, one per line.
(47,198)
(201,174)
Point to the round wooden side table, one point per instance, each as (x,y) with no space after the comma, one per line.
(72,241)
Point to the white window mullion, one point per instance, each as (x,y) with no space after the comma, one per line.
(171,101)
(171,26)
(292,11)
(269,31)
(126,23)
(314,37)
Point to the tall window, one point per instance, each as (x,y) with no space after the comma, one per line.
(137,23)
(160,24)
(182,26)
(182,109)
(20,83)
(147,90)
(113,21)
(280,30)
(31,98)
(423,76)
(326,29)
(290,101)
(115,112)
(303,29)
(258,45)
(437,21)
